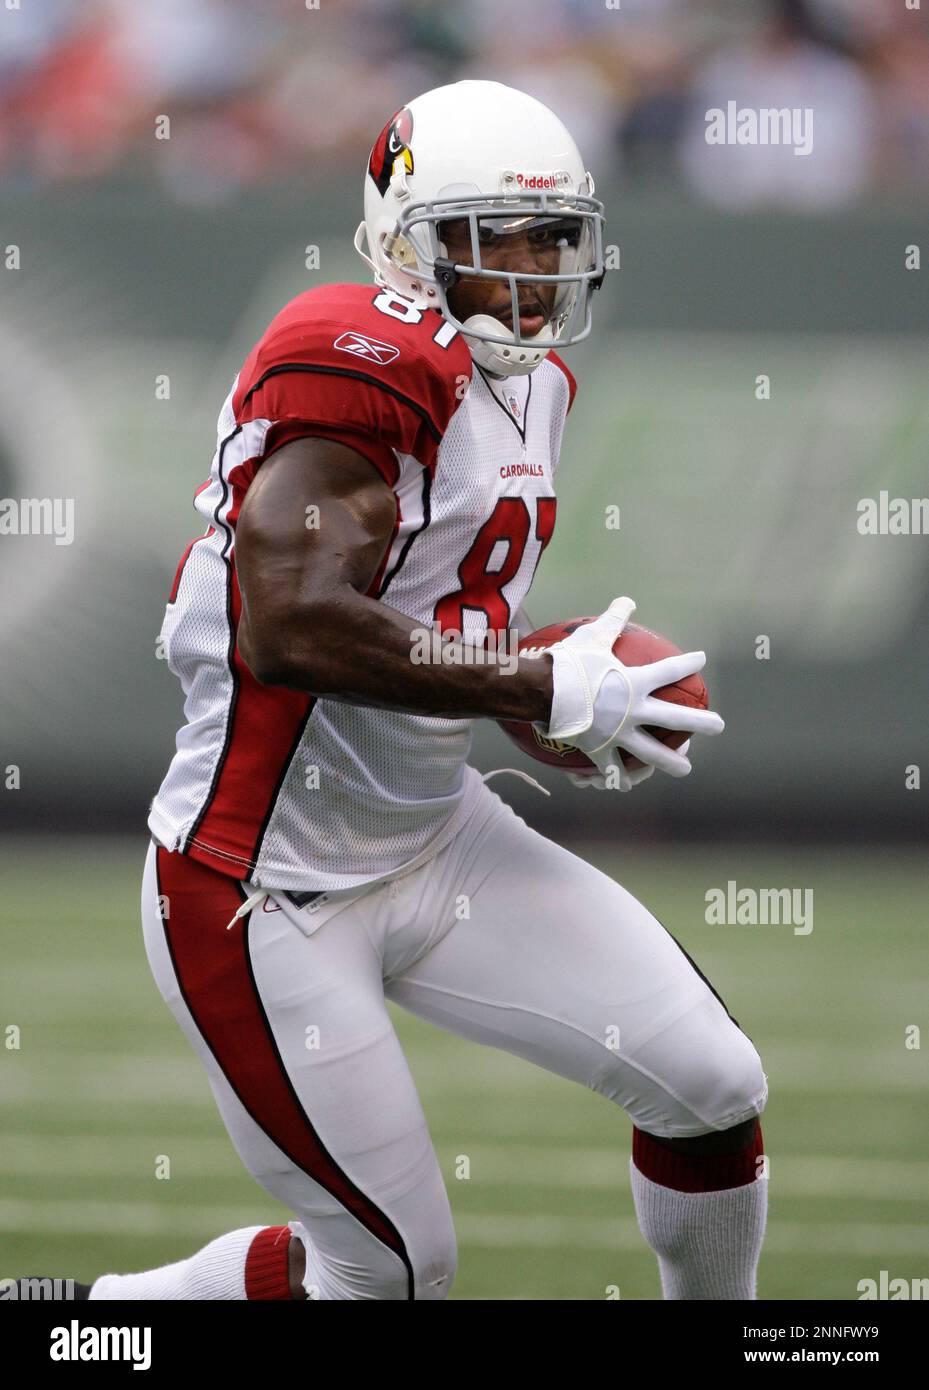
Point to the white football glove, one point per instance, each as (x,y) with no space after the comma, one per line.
(624,781)
(600,705)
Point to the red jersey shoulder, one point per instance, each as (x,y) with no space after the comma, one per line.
(572,383)
(390,330)
(358,358)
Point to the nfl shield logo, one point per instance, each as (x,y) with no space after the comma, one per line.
(551,745)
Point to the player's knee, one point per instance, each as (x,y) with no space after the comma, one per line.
(711,1071)
(728,1084)
(434,1280)
(423,1270)
(389,1281)
(706,1075)
(435,1261)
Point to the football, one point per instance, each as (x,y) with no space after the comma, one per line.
(635,646)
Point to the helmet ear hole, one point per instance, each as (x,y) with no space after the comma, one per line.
(398,249)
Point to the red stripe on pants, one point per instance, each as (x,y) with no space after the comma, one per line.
(215,976)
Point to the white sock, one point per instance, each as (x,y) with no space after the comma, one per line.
(708,1243)
(215,1272)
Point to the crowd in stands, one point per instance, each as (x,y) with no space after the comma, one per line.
(260,90)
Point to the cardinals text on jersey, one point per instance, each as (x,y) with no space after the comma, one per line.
(287,790)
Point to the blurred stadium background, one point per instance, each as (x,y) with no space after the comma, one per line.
(127,259)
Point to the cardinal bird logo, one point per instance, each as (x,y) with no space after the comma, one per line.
(392,150)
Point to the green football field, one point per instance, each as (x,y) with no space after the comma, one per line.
(103,1082)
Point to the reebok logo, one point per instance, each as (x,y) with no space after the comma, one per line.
(371,349)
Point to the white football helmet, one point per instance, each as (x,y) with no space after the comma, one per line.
(504,163)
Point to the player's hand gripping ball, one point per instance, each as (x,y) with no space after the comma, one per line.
(635,646)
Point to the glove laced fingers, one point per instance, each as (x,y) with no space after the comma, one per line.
(600,705)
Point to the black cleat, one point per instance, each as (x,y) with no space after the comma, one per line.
(35,1288)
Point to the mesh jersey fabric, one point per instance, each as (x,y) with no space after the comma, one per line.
(287,790)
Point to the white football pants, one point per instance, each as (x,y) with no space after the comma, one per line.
(503,937)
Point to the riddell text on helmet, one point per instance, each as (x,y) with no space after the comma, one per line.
(556,180)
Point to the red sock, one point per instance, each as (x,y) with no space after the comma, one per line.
(696,1172)
(267,1264)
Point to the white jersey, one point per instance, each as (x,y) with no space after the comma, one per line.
(276,786)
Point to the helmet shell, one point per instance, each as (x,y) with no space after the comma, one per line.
(477,144)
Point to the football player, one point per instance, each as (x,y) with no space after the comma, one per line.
(385,466)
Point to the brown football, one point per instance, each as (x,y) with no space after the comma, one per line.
(635,646)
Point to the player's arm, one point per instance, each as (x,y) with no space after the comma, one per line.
(306,620)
